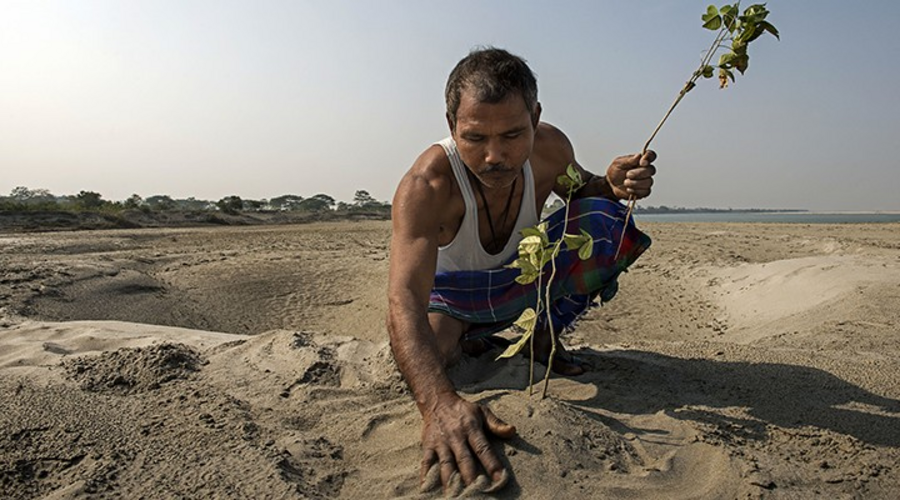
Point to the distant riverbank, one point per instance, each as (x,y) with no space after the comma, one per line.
(774,217)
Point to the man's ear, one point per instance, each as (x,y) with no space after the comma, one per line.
(536,115)
(450,123)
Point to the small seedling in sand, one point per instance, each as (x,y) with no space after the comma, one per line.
(536,251)
(731,26)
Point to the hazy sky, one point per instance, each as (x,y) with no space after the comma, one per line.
(263,98)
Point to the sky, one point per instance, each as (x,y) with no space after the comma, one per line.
(264,98)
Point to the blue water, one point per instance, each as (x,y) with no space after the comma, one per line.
(775,217)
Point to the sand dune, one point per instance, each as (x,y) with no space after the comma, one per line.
(738,361)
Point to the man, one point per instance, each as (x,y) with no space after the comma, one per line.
(460,208)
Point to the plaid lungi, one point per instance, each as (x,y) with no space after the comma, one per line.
(491,300)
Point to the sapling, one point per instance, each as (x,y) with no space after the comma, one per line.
(536,250)
(731,26)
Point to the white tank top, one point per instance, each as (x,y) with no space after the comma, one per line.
(465,252)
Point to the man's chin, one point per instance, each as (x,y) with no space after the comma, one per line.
(498,180)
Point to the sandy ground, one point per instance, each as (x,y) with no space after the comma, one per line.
(737,361)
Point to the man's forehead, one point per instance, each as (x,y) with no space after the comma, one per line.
(471,96)
(509,111)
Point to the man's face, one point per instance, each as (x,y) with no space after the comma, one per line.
(494,140)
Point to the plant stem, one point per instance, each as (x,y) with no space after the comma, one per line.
(550,323)
(537,314)
(688,86)
(556,248)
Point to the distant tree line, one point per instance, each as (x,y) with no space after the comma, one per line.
(24,199)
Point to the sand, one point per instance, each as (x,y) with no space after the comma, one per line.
(737,361)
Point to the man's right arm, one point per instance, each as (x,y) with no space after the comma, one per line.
(414,243)
(454,430)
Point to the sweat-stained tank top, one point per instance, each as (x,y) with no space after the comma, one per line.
(465,252)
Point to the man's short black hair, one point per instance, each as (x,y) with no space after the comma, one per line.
(493,74)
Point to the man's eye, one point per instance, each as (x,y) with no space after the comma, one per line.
(475,138)
(514,135)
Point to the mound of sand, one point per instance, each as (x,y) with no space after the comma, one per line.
(738,361)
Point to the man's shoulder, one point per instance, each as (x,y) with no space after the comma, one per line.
(548,139)
(430,176)
(432,162)
(551,148)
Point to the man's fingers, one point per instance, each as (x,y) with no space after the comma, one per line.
(455,487)
(465,462)
(429,474)
(496,426)
(448,464)
(640,173)
(432,478)
(647,158)
(499,482)
(486,455)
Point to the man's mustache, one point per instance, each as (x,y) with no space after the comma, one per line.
(496,168)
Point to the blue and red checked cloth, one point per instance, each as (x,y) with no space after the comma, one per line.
(491,300)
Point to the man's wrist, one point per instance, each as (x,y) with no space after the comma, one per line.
(429,404)
(595,186)
(600,186)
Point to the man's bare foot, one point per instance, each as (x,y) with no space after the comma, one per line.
(564,364)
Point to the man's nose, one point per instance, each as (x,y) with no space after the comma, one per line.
(494,153)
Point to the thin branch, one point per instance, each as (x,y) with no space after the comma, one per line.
(556,250)
(721,36)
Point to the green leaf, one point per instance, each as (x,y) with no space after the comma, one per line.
(741,62)
(526,279)
(528,268)
(727,60)
(587,248)
(530,244)
(743,37)
(535,259)
(769,28)
(707,71)
(514,349)
(524,264)
(756,12)
(574,174)
(526,321)
(572,180)
(565,182)
(711,13)
(573,241)
(531,231)
(542,227)
(729,14)
(713,24)
(757,32)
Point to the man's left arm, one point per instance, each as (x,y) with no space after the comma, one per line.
(626,176)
